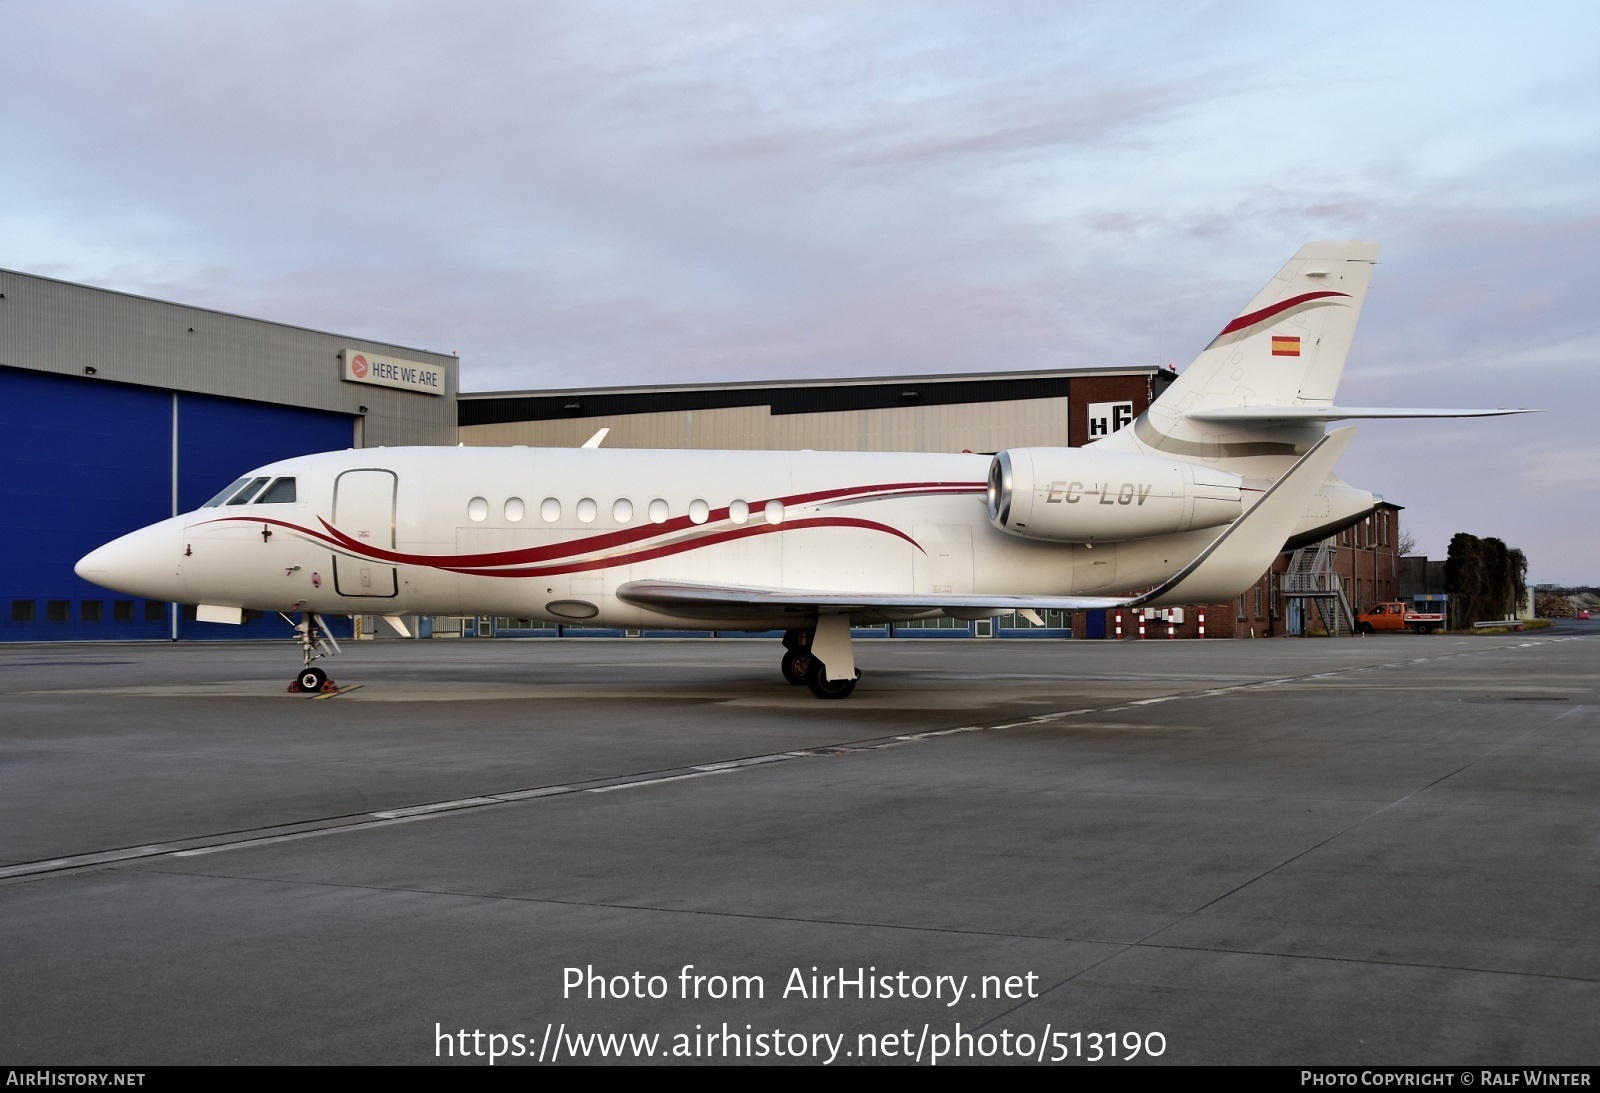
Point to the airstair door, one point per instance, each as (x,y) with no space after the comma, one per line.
(363,509)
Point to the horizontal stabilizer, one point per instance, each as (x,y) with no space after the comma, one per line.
(1301,415)
(1236,559)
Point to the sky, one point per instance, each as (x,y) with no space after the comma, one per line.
(580,194)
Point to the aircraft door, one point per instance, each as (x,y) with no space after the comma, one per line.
(364,509)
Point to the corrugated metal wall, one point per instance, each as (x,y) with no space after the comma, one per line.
(54,326)
(978,427)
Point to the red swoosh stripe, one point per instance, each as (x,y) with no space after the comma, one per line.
(669,549)
(612,539)
(1268,312)
(474,563)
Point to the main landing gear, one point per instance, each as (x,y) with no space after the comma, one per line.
(315,643)
(823,687)
(803,663)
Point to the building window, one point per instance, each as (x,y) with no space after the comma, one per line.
(22,610)
(90,610)
(155,611)
(122,610)
(56,610)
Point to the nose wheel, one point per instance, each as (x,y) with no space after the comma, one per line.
(315,643)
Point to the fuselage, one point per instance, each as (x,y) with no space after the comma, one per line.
(553,533)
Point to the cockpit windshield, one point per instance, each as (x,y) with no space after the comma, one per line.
(248,491)
(227,492)
(246,495)
(281,492)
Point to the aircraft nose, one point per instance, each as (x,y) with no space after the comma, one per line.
(145,563)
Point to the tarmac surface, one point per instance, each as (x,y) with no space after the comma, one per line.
(1379,850)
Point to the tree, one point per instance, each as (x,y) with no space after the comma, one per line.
(1519,580)
(1486,579)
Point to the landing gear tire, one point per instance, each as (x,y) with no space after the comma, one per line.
(796,662)
(823,687)
(310,680)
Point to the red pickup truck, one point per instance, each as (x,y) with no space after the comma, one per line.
(1398,616)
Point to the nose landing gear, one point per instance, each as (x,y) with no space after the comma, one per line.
(316,642)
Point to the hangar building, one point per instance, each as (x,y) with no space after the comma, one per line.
(126,410)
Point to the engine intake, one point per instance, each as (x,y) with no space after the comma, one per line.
(1079,495)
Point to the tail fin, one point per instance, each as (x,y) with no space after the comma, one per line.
(1287,348)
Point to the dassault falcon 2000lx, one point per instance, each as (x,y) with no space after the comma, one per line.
(1188,504)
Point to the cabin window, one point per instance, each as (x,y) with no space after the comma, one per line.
(622,510)
(251,488)
(280,492)
(659,511)
(699,511)
(739,512)
(587,509)
(774,512)
(550,510)
(227,492)
(478,509)
(515,509)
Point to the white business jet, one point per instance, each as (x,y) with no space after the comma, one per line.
(1190,504)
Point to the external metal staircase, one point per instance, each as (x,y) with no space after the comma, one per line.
(1313,582)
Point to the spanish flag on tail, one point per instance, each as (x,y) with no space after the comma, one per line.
(1285,345)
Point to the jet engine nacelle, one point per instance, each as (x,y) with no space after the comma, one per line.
(1081,495)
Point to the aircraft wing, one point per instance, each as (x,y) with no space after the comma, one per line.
(690,599)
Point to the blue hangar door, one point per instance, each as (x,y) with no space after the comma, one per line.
(88,460)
